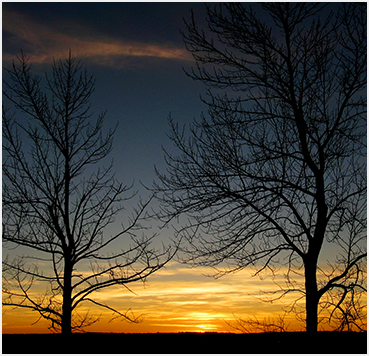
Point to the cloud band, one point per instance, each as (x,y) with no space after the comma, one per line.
(44,43)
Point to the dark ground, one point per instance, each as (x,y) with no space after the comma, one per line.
(210,343)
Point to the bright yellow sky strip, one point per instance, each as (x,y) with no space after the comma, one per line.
(175,299)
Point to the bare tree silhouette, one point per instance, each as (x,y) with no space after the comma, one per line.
(56,207)
(267,325)
(276,172)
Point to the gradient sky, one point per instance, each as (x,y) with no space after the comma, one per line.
(136,53)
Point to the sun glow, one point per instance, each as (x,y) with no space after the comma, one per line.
(207,327)
(175,299)
(178,299)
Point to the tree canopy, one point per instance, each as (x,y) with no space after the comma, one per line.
(57,204)
(275,172)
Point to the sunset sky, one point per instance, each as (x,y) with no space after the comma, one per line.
(136,53)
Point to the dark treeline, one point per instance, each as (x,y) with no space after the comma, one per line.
(189,343)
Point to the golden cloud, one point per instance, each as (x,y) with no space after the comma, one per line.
(182,299)
(44,43)
(178,299)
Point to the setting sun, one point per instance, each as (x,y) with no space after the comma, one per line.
(206,327)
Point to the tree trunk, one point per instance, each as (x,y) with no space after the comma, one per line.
(311,297)
(67,300)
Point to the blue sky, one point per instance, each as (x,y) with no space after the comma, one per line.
(136,53)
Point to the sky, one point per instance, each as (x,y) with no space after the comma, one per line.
(136,53)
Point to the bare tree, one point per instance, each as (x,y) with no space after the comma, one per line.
(275,173)
(267,325)
(56,207)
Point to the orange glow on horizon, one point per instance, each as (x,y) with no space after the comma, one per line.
(175,299)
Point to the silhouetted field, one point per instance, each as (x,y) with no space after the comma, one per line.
(171,343)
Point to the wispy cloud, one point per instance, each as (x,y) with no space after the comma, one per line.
(177,299)
(181,299)
(44,43)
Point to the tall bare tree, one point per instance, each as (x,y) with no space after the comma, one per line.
(275,173)
(56,207)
